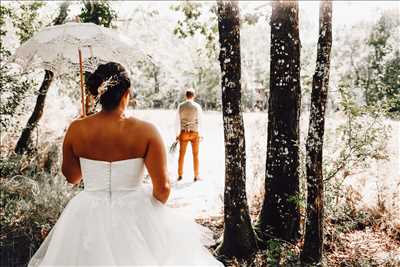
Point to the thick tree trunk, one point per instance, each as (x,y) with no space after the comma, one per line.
(313,240)
(25,138)
(239,238)
(280,216)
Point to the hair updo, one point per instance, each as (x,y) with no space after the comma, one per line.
(115,80)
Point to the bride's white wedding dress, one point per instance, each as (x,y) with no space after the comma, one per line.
(117,221)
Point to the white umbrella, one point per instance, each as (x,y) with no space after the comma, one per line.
(56,48)
(61,49)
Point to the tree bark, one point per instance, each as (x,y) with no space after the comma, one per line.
(313,240)
(156,80)
(280,215)
(25,138)
(239,237)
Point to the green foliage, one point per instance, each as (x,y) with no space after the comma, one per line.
(191,24)
(14,88)
(151,71)
(164,99)
(381,77)
(391,84)
(26,19)
(348,219)
(206,78)
(297,199)
(199,20)
(248,97)
(207,88)
(31,201)
(5,12)
(274,248)
(14,91)
(281,253)
(362,137)
(98,12)
(149,79)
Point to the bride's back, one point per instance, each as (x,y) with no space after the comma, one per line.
(111,136)
(107,138)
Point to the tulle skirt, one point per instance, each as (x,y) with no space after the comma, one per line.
(123,228)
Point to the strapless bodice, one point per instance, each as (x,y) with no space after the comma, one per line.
(112,176)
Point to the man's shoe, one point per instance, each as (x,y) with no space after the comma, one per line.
(197,178)
(180,178)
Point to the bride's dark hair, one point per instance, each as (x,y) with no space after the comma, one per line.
(116,82)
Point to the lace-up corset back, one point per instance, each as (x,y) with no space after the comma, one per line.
(112,176)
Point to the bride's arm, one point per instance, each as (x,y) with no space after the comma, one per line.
(70,163)
(156,164)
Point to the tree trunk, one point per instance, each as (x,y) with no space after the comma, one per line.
(156,81)
(238,238)
(313,240)
(25,138)
(280,216)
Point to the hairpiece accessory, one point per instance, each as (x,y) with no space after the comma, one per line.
(107,84)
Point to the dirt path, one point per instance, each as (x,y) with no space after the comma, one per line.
(205,198)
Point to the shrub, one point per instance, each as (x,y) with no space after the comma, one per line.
(31,200)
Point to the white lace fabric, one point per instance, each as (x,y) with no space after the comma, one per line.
(55,48)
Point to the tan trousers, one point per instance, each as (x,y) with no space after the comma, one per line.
(184,139)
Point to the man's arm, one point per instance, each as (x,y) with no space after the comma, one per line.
(200,120)
(178,123)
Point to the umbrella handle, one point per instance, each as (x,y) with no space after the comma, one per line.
(89,97)
(82,85)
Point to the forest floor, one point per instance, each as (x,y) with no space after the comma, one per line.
(371,245)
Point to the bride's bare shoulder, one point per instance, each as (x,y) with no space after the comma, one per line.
(73,127)
(143,125)
(78,124)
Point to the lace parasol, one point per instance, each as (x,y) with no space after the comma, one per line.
(56,48)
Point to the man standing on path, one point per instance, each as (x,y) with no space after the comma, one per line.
(189,124)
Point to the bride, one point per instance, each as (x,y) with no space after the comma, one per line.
(117,220)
